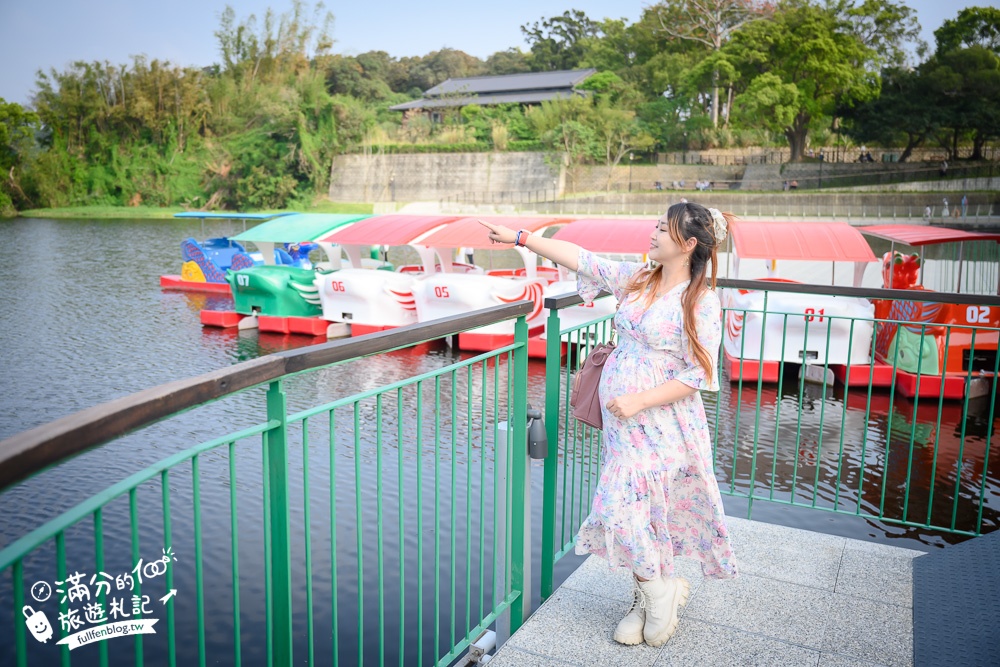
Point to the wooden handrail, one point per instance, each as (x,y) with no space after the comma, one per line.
(24,454)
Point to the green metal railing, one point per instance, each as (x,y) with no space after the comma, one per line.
(388,526)
(318,511)
(772,440)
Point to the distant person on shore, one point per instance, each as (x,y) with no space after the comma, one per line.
(794,185)
(944,168)
(657,498)
(945,211)
(965,205)
(928,212)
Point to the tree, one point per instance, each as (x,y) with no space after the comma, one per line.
(616,134)
(709,22)
(964,86)
(558,43)
(804,61)
(439,66)
(903,113)
(17,134)
(511,61)
(974,26)
(884,26)
(283,45)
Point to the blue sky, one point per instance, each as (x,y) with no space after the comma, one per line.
(43,34)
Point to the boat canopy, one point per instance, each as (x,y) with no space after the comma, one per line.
(298,227)
(468,233)
(229,215)
(921,235)
(809,241)
(617,235)
(393,230)
(389,230)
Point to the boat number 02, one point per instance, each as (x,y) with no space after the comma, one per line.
(977,314)
(441,292)
(242,280)
(811,312)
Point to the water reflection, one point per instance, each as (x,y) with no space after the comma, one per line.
(884,456)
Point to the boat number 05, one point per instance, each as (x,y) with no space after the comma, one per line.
(977,314)
(441,292)
(811,312)
(242,280)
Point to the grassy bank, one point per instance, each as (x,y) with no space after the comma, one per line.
(156,213)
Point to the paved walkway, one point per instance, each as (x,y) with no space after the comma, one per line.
(803,598)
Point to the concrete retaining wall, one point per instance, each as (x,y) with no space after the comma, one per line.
(431,176)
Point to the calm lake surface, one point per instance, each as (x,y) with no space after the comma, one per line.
(85,322)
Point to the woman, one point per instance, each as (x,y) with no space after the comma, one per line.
(657,497)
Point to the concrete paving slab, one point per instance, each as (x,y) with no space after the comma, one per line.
(577,627)
(869,630)
(786,554)
(700,644)
(803,598)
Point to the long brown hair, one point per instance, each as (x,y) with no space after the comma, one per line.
(685,221)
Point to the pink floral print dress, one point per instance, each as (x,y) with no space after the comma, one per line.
(657,496)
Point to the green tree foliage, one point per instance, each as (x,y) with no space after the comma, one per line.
(559,42)
(963,87)
(797,66)
(17,130)
(710,23)
(510,61)
(884,26)
(260,128)
(974,26)
(902,115)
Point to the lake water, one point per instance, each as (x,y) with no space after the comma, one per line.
(85,322)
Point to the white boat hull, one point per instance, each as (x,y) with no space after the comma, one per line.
(798,328)
(368,297)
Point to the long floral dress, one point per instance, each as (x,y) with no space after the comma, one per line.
(657,497)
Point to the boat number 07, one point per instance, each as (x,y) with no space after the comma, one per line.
(441,292)
(977,314)
(242,280)
(811,312)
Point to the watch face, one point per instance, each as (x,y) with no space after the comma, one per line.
(41,591)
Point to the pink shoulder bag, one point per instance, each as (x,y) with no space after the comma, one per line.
(585,399)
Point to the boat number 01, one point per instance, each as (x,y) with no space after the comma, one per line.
(811,312)
(242,280)
(977,314)
(441,292)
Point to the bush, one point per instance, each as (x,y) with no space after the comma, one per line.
(465,147)
(526,145)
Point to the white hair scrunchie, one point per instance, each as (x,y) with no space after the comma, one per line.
(721,227)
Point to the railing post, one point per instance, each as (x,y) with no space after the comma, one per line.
(518,452)
(553,374)
(277,509)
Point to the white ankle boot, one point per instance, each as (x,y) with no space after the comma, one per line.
(629,630)
(662,598)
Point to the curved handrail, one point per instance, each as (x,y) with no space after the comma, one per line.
(27,452)
(572,298)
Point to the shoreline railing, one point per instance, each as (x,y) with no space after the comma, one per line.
(280,510)
(772,438)
(300,504)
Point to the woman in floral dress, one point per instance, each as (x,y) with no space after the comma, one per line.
(657,497)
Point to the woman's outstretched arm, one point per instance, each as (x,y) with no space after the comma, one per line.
(561,252)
